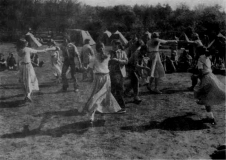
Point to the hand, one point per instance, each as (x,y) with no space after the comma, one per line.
(115,59)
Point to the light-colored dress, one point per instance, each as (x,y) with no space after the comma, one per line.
(157,69)
(56,63)
(87,53)
(27,74)
(101,98)
(210,90)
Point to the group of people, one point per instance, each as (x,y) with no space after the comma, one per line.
(108,70)
(9,63)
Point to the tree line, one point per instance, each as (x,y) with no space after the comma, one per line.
(16,16)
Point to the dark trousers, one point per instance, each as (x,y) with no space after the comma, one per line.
(117,88)
(194,79)
(134,83)
(66,65)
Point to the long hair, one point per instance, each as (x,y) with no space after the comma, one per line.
(102,55)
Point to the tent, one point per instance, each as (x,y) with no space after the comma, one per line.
(32,41)
(221,35)
(118,35)
(78,36)
(106,37)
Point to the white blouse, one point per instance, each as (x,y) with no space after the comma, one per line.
(204,64)
(25,54)
(101,67)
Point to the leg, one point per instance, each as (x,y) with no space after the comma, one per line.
(156,86)
(72,65)
(135,84)
(129,87)
(210,115)
(117,87)
(64,77)
(150,83)
(84,75)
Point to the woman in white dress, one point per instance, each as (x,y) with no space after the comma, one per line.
(210,91)
(157,69)
(101,98)
(27,74)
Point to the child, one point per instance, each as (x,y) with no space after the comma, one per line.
(101,98)
(210,91)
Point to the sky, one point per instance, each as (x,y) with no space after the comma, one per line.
(172,3)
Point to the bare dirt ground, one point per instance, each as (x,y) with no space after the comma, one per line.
(166,126)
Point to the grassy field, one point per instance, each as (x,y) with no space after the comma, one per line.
(166,126)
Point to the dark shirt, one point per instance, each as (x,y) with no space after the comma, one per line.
(113,65)
(11,61)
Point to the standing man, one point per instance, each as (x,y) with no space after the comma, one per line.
(69,52)
(118,72)
(86,54)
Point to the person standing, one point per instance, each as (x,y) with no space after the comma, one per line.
(196,51)
(101,99)
(134,69)
(86,55)
(118,72)
(157,69)
(27,74)
(69,52)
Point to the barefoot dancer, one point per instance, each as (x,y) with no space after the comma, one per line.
(27,73)
(101,98)
(157,70)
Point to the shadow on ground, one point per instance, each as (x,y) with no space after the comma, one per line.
(75,128)
(179,123)
(12,104)
(67,113)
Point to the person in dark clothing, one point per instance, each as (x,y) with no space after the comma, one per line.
(11,62)
(135,70)
(2,62)
(69,52)
(118,72)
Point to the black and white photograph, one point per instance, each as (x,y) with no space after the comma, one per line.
(112,79)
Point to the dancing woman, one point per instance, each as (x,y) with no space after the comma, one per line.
(210,91)
(101,98)
(27,74)
(157,69)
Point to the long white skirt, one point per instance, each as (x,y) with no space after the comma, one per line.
(211,91)
(28,78)
(101,98)
(157,69)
